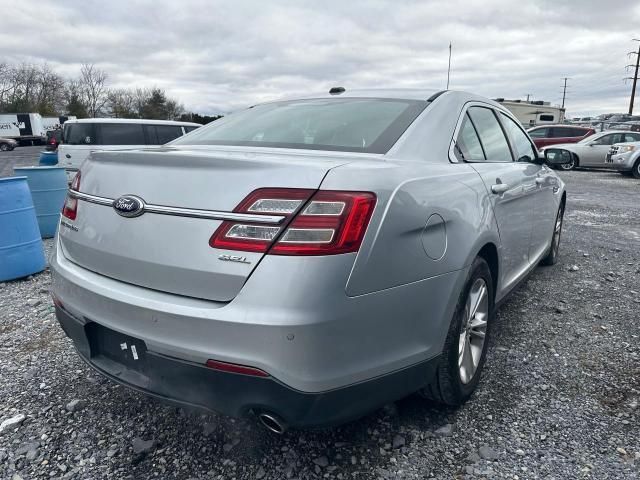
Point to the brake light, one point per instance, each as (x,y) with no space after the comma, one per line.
(327,223)
(70,207)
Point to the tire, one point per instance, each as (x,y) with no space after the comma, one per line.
(552,257)
(4,147)
(636,170)
(570,166)
(452,384)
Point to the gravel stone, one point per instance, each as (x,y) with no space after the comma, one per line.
(12,422)
(142,446)
(321,461)
(75,405)
(446,430)
(487,453)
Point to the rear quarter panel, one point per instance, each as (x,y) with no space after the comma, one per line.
(430,219)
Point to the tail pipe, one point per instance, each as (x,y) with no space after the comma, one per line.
(272,422)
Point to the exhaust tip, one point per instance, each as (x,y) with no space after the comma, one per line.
(272,423)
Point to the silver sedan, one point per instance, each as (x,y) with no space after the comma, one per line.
(307,261)
(592,151)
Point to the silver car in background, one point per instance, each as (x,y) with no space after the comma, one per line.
(625,158)
(307,261)
(593,151)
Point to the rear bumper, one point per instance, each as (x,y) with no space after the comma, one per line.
(196,386)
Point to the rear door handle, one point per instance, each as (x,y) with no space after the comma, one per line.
(499,188)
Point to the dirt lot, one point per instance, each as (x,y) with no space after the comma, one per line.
(559,397)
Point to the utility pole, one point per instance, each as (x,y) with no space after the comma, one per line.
(449,68)
(528,95)
(635,77)
(564,90)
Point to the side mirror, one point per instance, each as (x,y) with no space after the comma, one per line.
(557,156)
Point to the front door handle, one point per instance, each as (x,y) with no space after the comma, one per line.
(499,188)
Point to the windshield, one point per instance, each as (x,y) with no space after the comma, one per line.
(368,125)
(593,137)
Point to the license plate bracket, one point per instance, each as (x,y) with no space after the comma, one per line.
(116,346)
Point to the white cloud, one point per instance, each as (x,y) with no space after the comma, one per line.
(216,56)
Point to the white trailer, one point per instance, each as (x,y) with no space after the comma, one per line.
(535,112)
(55,123)
(26,128)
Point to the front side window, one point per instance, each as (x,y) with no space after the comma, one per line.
(79,134)
(368,125)
(496,147)
(121,134)
(519,140)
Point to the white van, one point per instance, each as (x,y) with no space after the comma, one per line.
(86,135)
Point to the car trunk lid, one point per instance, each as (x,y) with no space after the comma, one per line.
(166,249)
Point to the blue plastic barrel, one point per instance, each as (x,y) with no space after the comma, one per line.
(48,187)
(21,251)
(48,158)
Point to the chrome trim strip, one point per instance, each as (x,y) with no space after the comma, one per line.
(90,198)
(185,212)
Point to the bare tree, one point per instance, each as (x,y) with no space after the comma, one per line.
(121,103)
(94,87)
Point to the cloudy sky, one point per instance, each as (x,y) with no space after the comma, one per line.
(216,56)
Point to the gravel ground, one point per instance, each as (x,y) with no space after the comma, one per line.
(19,157)
(559,397)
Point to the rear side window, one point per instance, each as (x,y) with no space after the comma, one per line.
(546,118)
(189,129)
(560,132)
(368,125)
(468,145)
(121,134)
(496,147)
(519,140)
(166,133)
(80,134)
(631,137)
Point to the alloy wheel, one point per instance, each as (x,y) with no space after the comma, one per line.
(474,329)
(568,166)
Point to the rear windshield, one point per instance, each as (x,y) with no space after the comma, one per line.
(368,125)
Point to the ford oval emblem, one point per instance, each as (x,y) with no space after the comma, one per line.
(129,206)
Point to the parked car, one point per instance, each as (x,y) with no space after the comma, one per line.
(7,144)
(592,151)
(309,260)
(83,136)
(554,134)
(625,157)
(54,138)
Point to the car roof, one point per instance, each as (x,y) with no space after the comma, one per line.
(131,120)
(558,125)
(399,93)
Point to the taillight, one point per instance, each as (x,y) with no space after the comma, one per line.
(327,223)
(70,207)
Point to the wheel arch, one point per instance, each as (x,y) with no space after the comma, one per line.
(489,252)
